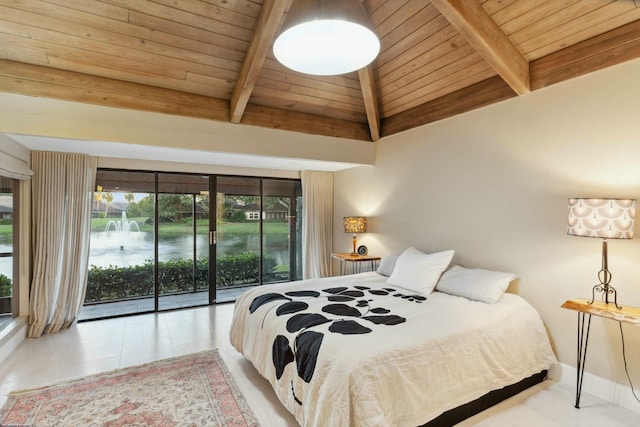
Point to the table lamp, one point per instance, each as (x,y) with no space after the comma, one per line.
(606,219)
(354,224)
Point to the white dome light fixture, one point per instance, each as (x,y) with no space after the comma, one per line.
(326,38)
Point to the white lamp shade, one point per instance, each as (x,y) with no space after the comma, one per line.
(326,38)
(604,218)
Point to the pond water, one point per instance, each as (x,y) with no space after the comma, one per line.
(124,249)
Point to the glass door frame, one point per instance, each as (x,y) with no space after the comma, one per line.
(213,238)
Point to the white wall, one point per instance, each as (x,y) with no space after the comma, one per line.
(28,115)
(493,184)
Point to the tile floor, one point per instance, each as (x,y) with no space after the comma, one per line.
(98,346)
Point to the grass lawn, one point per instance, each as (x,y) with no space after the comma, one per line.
(5,233)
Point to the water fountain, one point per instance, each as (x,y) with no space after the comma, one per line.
(121,243)
(123,227)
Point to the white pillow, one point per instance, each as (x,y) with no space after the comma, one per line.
(475,284)
(418,271)
(387,264)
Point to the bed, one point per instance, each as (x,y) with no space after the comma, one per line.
(357,351)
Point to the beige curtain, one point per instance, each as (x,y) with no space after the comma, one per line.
(62,192)
(317,224)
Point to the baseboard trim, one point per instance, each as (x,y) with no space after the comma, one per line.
(618,394)
(11,336)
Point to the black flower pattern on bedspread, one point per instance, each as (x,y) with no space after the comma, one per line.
(350,310)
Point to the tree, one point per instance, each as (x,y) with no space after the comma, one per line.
(202,200)
(271,202)
(108,197)
(133,208)
(235,200)
(143,208)
(172,207)
(98,197)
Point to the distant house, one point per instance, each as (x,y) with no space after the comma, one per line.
(114,210)
(278,211)
(201,212)
(6,207)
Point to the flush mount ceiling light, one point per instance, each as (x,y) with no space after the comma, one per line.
(326,37)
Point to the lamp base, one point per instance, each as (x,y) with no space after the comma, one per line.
(606,290)
(604,275)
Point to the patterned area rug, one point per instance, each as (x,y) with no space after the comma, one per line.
(193,390)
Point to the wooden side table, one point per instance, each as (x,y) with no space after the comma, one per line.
(355,260)
(585,307)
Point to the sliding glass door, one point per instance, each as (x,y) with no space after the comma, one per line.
(122,246)
(159,241)
(258,226)
(282,229)
(237,232)
(183,241)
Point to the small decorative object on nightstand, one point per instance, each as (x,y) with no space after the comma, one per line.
(606,219)
(356,261)
(362,250)
(354,224)
(584,307)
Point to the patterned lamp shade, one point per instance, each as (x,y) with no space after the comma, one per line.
(604,218)
(355,224)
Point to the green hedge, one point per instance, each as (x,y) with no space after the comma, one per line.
(5,286)
(116,283)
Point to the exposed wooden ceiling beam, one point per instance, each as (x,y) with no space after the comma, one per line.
(370,97)
(277,118)
(35,80)
(270,18)
(472,97)
(611,48)
(471,20)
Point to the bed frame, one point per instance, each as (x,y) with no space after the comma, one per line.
(461,413)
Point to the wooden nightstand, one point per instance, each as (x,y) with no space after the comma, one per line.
(586,307)
(355,261)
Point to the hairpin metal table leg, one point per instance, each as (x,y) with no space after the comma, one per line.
(583,341)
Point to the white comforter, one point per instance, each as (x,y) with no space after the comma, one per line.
(418,359)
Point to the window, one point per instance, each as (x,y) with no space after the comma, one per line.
(6,248)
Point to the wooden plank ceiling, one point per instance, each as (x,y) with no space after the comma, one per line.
(213,58)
